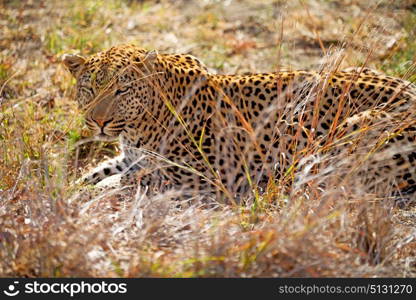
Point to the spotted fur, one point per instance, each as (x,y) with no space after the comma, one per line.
(180,125)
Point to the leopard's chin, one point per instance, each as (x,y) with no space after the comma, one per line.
(105,137)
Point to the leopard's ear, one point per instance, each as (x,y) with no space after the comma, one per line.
(149,59)
(73,62)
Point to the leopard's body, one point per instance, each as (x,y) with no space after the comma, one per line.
(180,125)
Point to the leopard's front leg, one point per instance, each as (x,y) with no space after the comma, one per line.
(118,165)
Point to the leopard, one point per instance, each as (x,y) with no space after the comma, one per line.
(180,125)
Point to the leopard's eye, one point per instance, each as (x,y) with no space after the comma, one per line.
(122,91)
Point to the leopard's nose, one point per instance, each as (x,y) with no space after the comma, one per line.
(100,122)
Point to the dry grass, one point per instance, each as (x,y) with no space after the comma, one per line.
(48,228)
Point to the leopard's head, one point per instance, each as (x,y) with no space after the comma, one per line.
(113,87)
